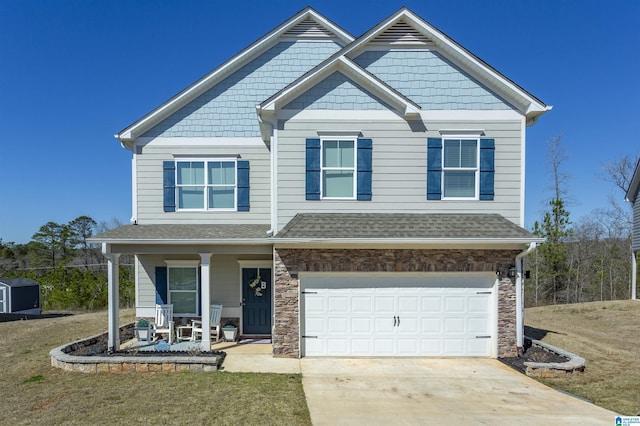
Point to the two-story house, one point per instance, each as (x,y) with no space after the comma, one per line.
(344,196)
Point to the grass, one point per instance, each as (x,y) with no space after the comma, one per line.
(33,392)
(607,335)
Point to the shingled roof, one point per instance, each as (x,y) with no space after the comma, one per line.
(400,226)
(170,233)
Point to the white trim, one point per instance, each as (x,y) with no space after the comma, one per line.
(354,167)
(134,185)
(182,263)
(461,133)
(206,185)
(523,155)
(338,115)
(476,196)
(200,141)
(255,263)
(347,134)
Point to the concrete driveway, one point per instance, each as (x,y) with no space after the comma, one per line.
(412,391)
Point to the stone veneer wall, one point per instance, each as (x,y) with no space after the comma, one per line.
(290,262)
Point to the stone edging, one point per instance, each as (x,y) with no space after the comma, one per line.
(60,358)
(554,369)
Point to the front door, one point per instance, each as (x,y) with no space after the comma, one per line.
(256,298)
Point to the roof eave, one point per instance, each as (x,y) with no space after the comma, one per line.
(128,135)
(189,241)
(633,186)
(431,242)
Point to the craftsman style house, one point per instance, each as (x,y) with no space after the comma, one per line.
(344,196)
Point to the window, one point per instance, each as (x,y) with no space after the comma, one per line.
(338,168)
(460,168)
(183,289)
(206,185)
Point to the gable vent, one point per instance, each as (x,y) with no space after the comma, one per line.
(402,33)
(308,29)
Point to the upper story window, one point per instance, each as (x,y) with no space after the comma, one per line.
(338,168)
(206,185)
(460,168)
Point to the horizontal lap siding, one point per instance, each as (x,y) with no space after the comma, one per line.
(399,169)
(150,192)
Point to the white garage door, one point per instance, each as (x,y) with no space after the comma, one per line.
(357,315)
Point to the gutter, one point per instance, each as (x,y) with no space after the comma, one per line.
(519,296)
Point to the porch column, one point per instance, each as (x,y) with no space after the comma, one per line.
(205,302)
(113,301)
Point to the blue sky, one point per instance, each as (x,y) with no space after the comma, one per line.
(73,73)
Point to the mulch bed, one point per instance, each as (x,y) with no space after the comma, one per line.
(532,354)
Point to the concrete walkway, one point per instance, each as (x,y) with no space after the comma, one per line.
(411,391)
(254,358)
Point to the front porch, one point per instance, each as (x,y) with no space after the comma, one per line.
(190,268)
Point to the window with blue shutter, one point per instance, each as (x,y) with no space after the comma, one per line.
(243,186)
(312,179)
(161,285)
(338,168)
(364,169)
(206,184)
(487,169)
(434,168)
(169,185)
(456,165)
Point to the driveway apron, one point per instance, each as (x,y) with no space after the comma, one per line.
(411,391)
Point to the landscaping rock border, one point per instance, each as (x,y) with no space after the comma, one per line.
(575,364)
(62,358)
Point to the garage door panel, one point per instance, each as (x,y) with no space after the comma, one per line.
(432,326)
(362,304)
(359,317)
(431,304)
(338,304)
(409,304)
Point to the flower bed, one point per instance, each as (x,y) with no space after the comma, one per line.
(90,356)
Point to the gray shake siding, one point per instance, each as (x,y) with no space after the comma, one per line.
(150,190)
(399,168)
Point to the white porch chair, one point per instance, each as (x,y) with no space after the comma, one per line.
(164,321)
(214,325)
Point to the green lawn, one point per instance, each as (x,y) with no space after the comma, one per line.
(34,392)
(607,335)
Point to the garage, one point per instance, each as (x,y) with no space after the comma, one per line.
(398,314)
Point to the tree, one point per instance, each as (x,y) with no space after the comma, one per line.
(554,271)
(49,242)
(82,229)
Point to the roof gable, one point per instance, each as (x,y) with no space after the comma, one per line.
(404,28)
(634,186)
(307,24)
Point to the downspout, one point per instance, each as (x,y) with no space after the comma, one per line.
(267,131)
(520,297)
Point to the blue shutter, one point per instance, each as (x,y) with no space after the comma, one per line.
(487,168)
(161,285)
(243,186)
(434,169)
(313,169)
(169,185)
(364,169)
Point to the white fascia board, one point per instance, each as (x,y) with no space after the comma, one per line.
(352,71)
(232,241)
(506,243)
(633,186)
(133,131)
